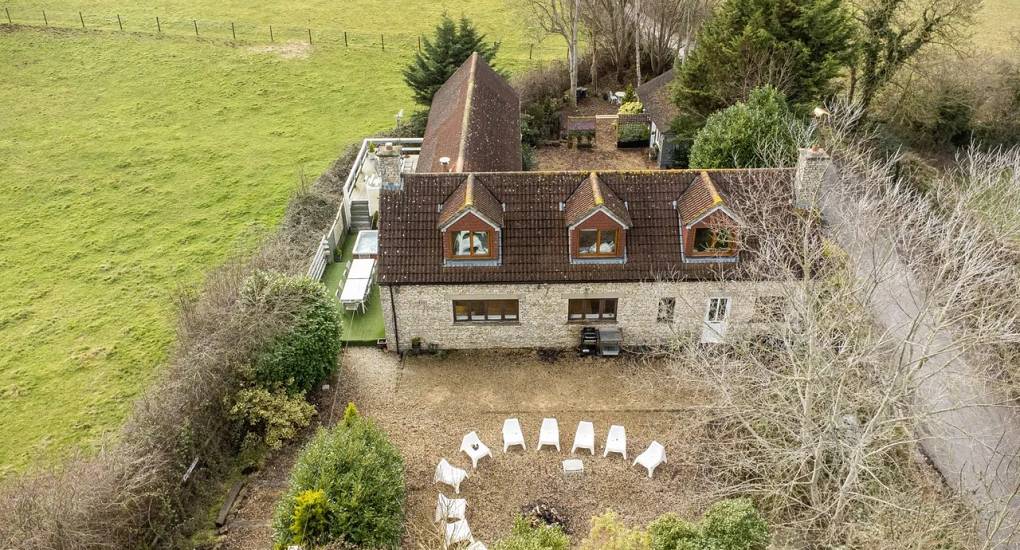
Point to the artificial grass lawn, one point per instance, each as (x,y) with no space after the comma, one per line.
(134,163)
(358,328)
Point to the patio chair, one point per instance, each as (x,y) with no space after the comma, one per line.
(474,448)
(512,434)
(458,531)
(450,475)
(549,434)
(450,508)
(616,441)
(584,438)
(652,457)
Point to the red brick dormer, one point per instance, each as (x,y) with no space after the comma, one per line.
(709,230)
(471,225)
(597,222)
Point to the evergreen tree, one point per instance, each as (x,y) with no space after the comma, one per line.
(451,45)
(797,46)
(755,134)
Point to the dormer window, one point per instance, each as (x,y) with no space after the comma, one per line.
(471,225)
(598,243)
(471,244)
(597,223)
(709,230)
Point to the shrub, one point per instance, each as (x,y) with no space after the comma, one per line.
(755,134)
(306,352)
(311,518)
(670,532)
(735,524)
(526,536)
(631,108)
(271,417)
(609,533)
(362,476)
(629,96)
(634,132)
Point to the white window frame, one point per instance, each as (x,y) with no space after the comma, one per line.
(726,302)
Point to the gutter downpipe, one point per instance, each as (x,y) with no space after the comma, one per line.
(393,311)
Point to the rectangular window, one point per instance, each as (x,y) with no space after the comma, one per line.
(477,311)
(471,244)
(769,309)
(707,239)
(598,242)
(597,309)
(718,309)
(666,308)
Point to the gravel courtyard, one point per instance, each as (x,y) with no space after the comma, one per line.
(427,404)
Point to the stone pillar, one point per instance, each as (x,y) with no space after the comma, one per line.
(812,163)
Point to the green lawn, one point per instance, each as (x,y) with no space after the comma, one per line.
(997,26)
(134,163)
(358,328)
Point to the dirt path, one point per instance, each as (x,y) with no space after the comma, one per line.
(427,404)
(971,438)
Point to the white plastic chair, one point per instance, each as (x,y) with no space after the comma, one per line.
(652,457)
(450,508)
(512,434)
(474,448)
(549,434)
(616,441)
(458,531)
(585,437)
(450,475)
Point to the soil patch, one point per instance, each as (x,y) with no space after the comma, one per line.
(286,50)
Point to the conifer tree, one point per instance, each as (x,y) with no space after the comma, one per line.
(451,45)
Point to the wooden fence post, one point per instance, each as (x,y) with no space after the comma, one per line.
(119,23)
(531,50)
(419,42)
(232,31)
(271,33)
(82,17)
(195,21)
(45,21)
(345,39)
(158,28)
(309,37)
(9,22)
(382,37)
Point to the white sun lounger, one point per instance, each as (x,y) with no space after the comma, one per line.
(585,437)
(458,531)
(450,508)
(474,448)
(616,441)
(549,434)
(450,475)
(512,434)
(652,457)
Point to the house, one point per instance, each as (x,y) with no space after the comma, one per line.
(474,253)
(659,107)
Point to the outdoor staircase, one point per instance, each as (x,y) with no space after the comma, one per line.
(360,218)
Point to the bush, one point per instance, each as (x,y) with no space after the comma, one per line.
(271,417)
(362,476)
(733,524)
(631,108)
(306,352)
(755,134)
(311,518)
(609,533)
(634,132)
(525,536)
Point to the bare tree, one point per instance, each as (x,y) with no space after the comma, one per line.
(670,26)
(612,31)
(638,24)
(563,18)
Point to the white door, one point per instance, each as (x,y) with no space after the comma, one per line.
(717,314)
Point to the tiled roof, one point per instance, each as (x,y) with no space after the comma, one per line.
(475,121)
(467,196)
(655,97)
(534,236)
(698,199)
(590,195)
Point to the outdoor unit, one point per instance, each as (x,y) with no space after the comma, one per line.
(589,341)
(610,339)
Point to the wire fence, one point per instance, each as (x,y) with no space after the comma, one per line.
(231,31)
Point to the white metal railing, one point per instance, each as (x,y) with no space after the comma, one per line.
(410,145)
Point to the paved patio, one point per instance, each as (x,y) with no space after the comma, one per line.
(564,158)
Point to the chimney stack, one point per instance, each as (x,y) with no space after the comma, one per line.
(812,163)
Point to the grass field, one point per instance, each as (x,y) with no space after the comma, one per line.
(134,163)
(997,25)
(359,328)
